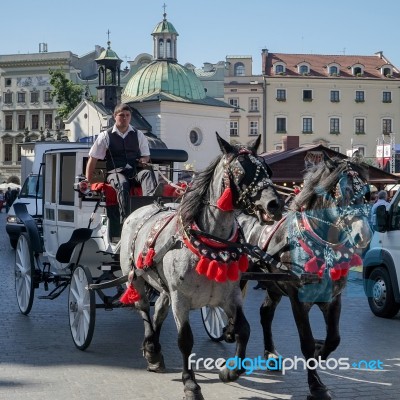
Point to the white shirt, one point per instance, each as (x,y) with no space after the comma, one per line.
(100,146)
(378,203)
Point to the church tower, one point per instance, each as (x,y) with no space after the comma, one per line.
(109,70)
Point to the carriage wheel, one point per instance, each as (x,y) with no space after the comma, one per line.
(215,320)
(24,274)
(81,307)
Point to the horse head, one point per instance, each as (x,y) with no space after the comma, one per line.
(248,177)
(334,201)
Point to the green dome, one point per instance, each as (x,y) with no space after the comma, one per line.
(167,77)
(108,54)
(165,27)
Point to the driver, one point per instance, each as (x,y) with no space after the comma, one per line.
(126,151)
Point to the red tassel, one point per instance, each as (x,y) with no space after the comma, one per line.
(225,202)
(233,271)
(148,261)
(321,271)
(355,261)
(202,266)
(139,261)
(335,273)
(243,263)
(222,273)
(311,265)
(130,296)
(212,270)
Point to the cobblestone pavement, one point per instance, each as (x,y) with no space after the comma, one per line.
(38,359)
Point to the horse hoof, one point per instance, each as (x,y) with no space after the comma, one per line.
(158,366)
(319,394)
(192,391)
(228,375)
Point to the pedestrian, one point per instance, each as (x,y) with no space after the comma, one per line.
(382,200)
(126,151)
(8,198)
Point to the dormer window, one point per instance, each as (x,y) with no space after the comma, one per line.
(358,70)
(333,70)
(279,69)
(303,69)
(387,71)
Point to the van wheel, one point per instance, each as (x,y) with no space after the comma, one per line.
(380,294)
(13,243)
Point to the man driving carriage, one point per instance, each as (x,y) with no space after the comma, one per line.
(126,151)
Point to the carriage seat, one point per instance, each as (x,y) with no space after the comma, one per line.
(110,194)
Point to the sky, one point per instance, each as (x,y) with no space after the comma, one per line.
(209,30)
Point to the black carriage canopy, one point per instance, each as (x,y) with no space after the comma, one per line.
(168,155)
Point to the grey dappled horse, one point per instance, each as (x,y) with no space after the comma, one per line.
(178,252)
(324,225)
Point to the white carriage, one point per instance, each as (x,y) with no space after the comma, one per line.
(76,243)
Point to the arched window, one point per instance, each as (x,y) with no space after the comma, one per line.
(279,69)
(333,70)
(161,48)
(303,69)
(239,69)
(168,44)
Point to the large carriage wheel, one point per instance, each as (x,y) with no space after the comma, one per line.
(24,273)
(215,321)
(81,307)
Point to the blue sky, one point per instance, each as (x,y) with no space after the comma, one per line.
(209,30)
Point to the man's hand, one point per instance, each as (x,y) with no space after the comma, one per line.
(144,160)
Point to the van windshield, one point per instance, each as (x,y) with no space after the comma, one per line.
(31,185)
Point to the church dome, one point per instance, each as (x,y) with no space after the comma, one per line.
(167,77)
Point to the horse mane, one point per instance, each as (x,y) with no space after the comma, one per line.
(192,200)
(322,178)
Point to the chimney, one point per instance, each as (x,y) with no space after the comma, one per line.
(290,142)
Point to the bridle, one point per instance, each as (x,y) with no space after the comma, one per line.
(345,210)
(234,172)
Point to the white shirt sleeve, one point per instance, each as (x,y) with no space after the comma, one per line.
(100,146)
(143,143)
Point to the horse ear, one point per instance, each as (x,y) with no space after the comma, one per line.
(255,145)
(225,147)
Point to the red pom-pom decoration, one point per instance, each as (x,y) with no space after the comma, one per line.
(202,266)
(233,271)
(243,263)
(212,270)
(148,261)
(139,261)
(335,273)
(222,273)
(225,202)
(130,296)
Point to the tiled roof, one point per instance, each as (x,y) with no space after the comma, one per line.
(318,64)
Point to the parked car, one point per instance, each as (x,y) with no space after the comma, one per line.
(381,271)
(31,195)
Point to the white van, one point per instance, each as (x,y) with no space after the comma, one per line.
(31,195)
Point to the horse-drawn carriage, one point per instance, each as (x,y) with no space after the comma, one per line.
(77,241)
(193,255)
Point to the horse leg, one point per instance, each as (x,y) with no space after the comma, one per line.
(151,345)
(301,315)
(267,312)
(242,334)
(185,343)
(331,312)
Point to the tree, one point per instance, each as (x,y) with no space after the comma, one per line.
(67,94)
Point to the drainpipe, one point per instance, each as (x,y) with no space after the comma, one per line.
(264,136)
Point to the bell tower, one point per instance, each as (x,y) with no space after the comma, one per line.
(109,70)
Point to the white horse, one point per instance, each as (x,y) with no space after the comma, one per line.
(185,254)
